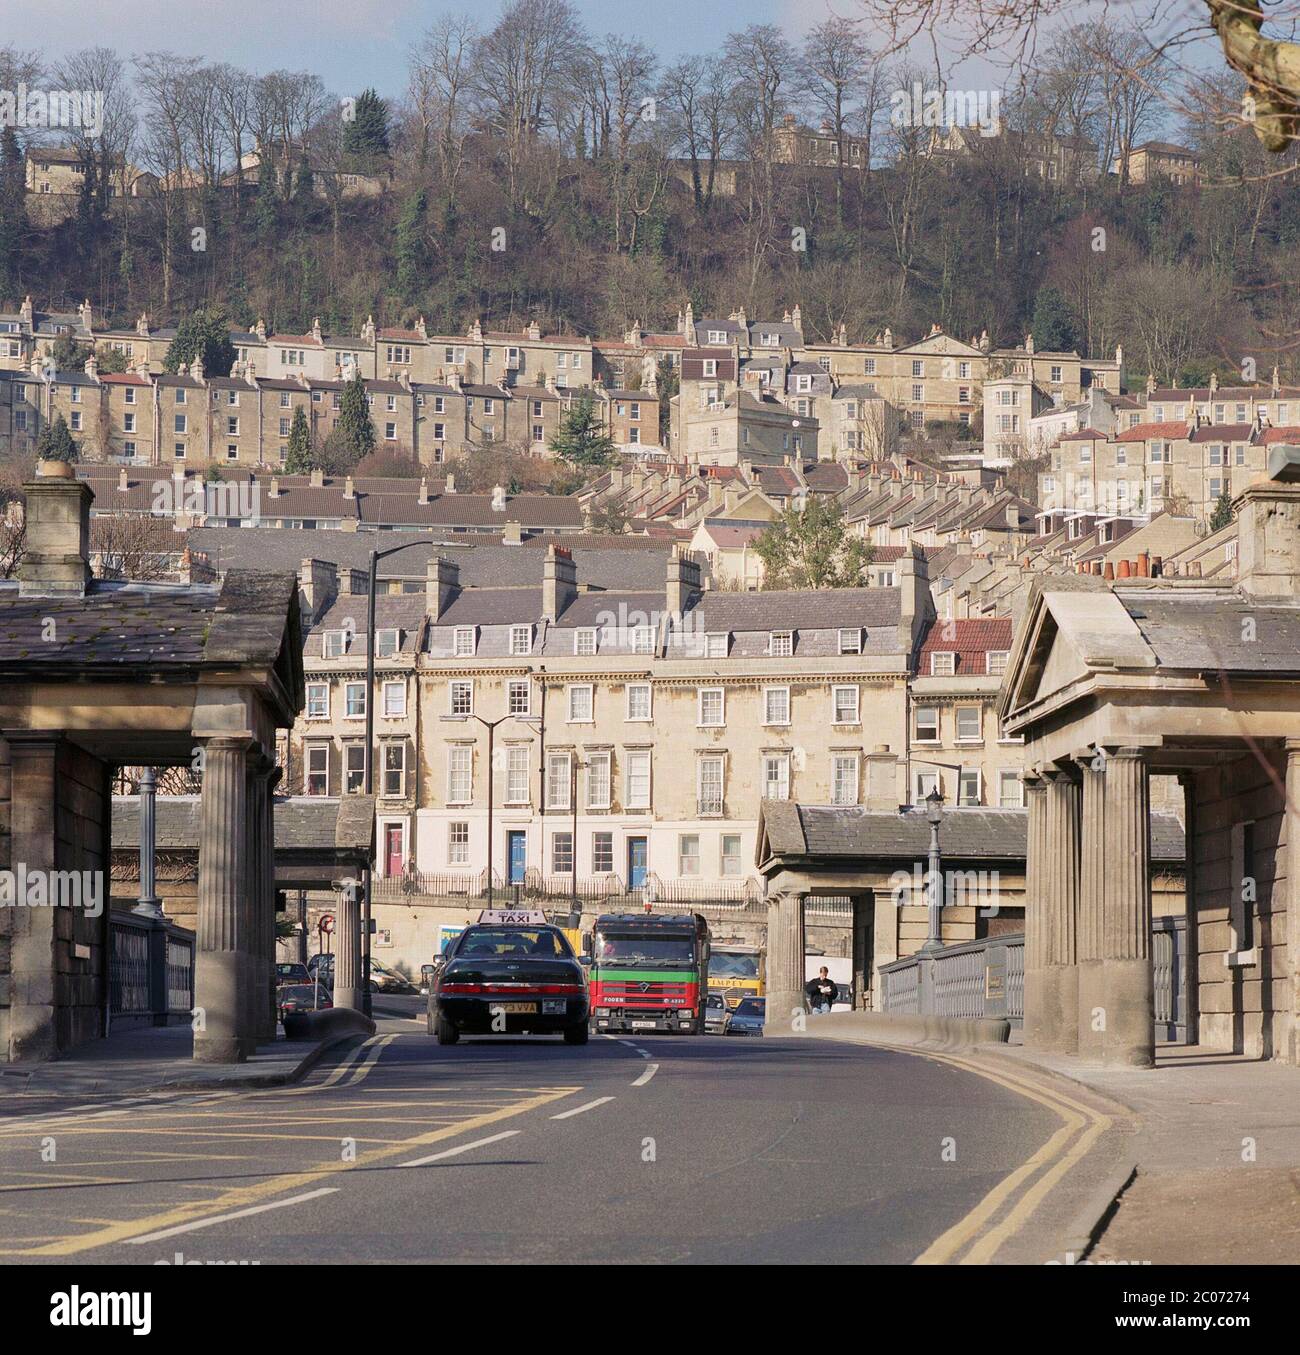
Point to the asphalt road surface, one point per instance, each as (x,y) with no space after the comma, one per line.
(655,1149)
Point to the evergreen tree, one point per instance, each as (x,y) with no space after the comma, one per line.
(581,440)
(13,209)
(297,459)
(55,442)
(367,133)
(412,257)
(303,198)
(204,334)
(1055,328)
(354,429)
(1222,514)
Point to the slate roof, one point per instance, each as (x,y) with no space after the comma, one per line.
(302,822)
(158,627)
(798,830)
(1206,630)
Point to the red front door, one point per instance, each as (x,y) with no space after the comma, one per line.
(394,856)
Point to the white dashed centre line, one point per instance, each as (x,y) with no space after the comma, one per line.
(591,1105)
(226,1218)
(650,1070)
(463,1148)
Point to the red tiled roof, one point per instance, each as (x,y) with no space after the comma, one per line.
(124,379)
(969,639)
(1267,436)
(1172,428)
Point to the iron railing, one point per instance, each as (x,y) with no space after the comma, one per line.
(973,979)
(150,969)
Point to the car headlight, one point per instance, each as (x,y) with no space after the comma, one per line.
(602,1011)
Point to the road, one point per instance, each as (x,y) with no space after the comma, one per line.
(668,1149)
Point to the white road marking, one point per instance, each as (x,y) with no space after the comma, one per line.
(645,1053)
(227,1218)
(462,1148)
(650,1070)
(591,1105)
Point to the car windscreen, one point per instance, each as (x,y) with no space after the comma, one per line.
(750,1006)
(514,941)
(297,992)
(644,948)
(725,966)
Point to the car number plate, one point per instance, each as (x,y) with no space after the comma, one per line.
(554,1008)
(516,1008)
(644,1025)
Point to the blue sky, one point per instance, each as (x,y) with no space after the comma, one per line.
(355,43)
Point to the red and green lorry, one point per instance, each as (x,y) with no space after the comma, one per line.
(648,972)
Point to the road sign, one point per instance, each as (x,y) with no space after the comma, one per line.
(326,924)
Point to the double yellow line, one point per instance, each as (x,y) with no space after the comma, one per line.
(975,1239)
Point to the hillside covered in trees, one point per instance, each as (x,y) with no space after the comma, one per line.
(535,171)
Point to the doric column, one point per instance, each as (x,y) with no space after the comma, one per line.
(347,962)
(785,953)
(1060,886)
(1093,856)
(1036,922)
(262,893)
(224,909)
(1129,1036)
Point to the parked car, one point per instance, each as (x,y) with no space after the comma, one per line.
(715,1014)
(747,1019)
(291,973)
(302,997)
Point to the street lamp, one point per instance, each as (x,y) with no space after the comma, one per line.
(575,913)
(491,727)
(369,777)
(934,817)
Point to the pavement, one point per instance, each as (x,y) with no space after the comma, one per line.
(1204,1166)
(139,1059)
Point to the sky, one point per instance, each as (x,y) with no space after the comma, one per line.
(352,44)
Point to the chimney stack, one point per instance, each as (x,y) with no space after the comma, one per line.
(683,582)
(1268,528)
(559,581)
(57,558)
(916,606)
(441,585)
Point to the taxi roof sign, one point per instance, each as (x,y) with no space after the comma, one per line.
(512,917)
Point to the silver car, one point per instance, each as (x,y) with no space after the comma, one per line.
(715,1014)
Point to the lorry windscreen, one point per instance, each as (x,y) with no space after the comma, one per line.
(641,948)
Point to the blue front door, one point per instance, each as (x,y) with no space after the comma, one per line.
(636,862)
(518,857)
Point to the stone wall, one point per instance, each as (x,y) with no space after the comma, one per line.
(1243,1006)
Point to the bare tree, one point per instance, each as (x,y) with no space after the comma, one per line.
(440,72)
(233,90)
(102,70)
(698,95)
(129,546)
(833,68)
(518,67)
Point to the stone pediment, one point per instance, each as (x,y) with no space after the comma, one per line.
(943,345)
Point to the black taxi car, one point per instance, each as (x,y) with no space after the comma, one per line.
(509,973)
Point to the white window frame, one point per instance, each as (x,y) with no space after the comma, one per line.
(780,644)
(316,688)
(856,717)
(633,760)
(518,777)
(943,663)
(517,710)
(348,689)
(559,781)
(600,780)
(721,721)
(850,640)
(390,688)
(458,843)
(457,689)
(458,753)
(781,694)
(917,736)
(705,807)
(780,762)
(521,640)
(978,735)
(308,773)
(648,690)
(845,793)
(384,770)
(584,641)
(574,692)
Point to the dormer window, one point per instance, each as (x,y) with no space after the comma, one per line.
(997,662)
(387,643)
(463,642)
(715,645)
(337,643)
(643,639)
(851,641)
(521,639)
(780,644)
(584,641)
(717,336)
(943,665)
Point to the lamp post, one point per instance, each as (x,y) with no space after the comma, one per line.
(369,778)
(491,727)
(934,929)
(575,913)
